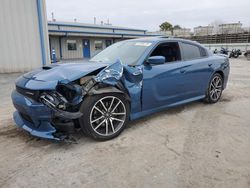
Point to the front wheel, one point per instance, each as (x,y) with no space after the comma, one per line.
(215,88)
(104,116)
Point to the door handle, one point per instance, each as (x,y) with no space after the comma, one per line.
(210,64)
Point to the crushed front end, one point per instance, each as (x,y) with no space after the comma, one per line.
(38,118)
(33,117)
(47,109)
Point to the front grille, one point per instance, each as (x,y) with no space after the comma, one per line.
(32,94)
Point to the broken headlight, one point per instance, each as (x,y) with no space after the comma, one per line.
(70,91)
(54,100)
(65,95)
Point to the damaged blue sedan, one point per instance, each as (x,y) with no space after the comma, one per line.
(126,81)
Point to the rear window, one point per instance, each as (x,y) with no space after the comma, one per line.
(192,51)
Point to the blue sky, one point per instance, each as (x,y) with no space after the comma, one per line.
(148,14)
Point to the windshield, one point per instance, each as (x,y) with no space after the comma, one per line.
(128,52)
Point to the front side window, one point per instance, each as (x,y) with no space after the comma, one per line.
(191,51)
(71,45)
(169,50)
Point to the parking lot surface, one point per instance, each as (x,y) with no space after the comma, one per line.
(196,145)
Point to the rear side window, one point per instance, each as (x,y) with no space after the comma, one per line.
(192,51)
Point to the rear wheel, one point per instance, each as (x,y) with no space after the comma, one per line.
(215,89)
(104,116)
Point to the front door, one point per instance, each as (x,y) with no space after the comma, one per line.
(86,48)
(162,84)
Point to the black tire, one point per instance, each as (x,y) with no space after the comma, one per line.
(214,91)
(89,111)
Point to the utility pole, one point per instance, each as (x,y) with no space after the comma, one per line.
(53,17)
(207,34)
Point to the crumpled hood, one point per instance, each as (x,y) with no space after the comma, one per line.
(69,71)
(48,76)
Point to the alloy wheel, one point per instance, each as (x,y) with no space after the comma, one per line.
(215,88)
(108,115)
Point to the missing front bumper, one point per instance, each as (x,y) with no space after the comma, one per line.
(36,118)
(44,130)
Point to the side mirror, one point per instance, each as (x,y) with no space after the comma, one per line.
(156,60)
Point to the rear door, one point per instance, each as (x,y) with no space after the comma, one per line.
(196,69)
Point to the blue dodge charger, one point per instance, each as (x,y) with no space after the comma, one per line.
(126,81)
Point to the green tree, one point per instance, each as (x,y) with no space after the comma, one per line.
(166,26)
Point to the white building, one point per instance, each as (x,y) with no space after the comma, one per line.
(72,40)
(230,28)
(23,35)
(160,33)
(183,32)
(203,30)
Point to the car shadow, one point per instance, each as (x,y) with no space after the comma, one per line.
(79,138)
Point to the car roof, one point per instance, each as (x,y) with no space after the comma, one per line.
(164,39)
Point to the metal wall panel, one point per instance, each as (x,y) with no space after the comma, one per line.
(77,54)
(78,29)
(129,32)
(74,54)
(67,28)
(92,46)
(20,45)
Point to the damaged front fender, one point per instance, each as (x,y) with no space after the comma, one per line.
(111,74)
(131,78)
